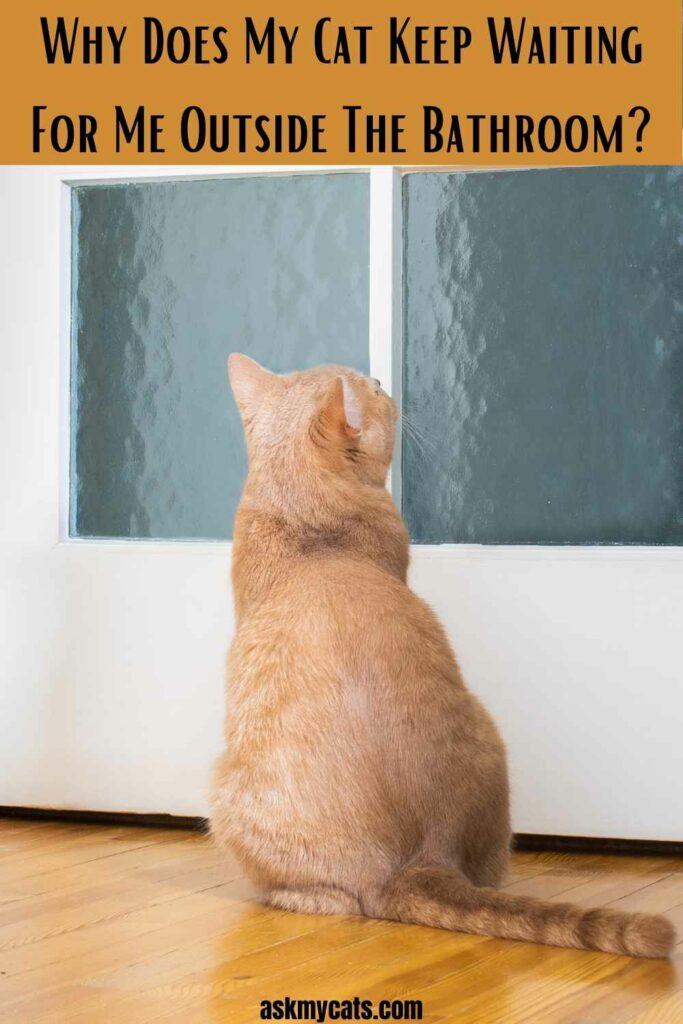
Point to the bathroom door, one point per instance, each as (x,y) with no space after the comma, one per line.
(124,292)
(529,324)
(542,369)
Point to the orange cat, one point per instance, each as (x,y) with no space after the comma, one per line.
(361,777)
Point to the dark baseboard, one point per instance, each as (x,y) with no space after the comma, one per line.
(595,844)
(522,841)
(179,821)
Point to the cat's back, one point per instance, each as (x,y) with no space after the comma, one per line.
(334,615)
(344,672)
(334,588)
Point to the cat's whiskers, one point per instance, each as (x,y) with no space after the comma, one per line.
(420,439)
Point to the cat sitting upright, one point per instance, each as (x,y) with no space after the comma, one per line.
(361,776)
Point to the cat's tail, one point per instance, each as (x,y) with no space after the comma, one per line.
(443,898)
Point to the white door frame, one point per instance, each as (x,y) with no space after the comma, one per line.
(111,668)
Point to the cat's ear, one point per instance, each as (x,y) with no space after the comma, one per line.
(342,411)
(249,381)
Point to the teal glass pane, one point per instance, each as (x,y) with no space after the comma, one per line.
(543,356)
(168,279)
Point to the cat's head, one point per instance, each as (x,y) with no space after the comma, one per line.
(342,419)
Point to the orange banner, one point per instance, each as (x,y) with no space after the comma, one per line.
(520,82)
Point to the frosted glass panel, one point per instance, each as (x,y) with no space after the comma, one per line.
(168,279)
(543,357)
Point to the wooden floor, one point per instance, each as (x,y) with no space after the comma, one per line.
(135,925)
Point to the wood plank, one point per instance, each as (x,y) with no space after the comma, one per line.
(667,1011)
(145,926)
(656,897)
